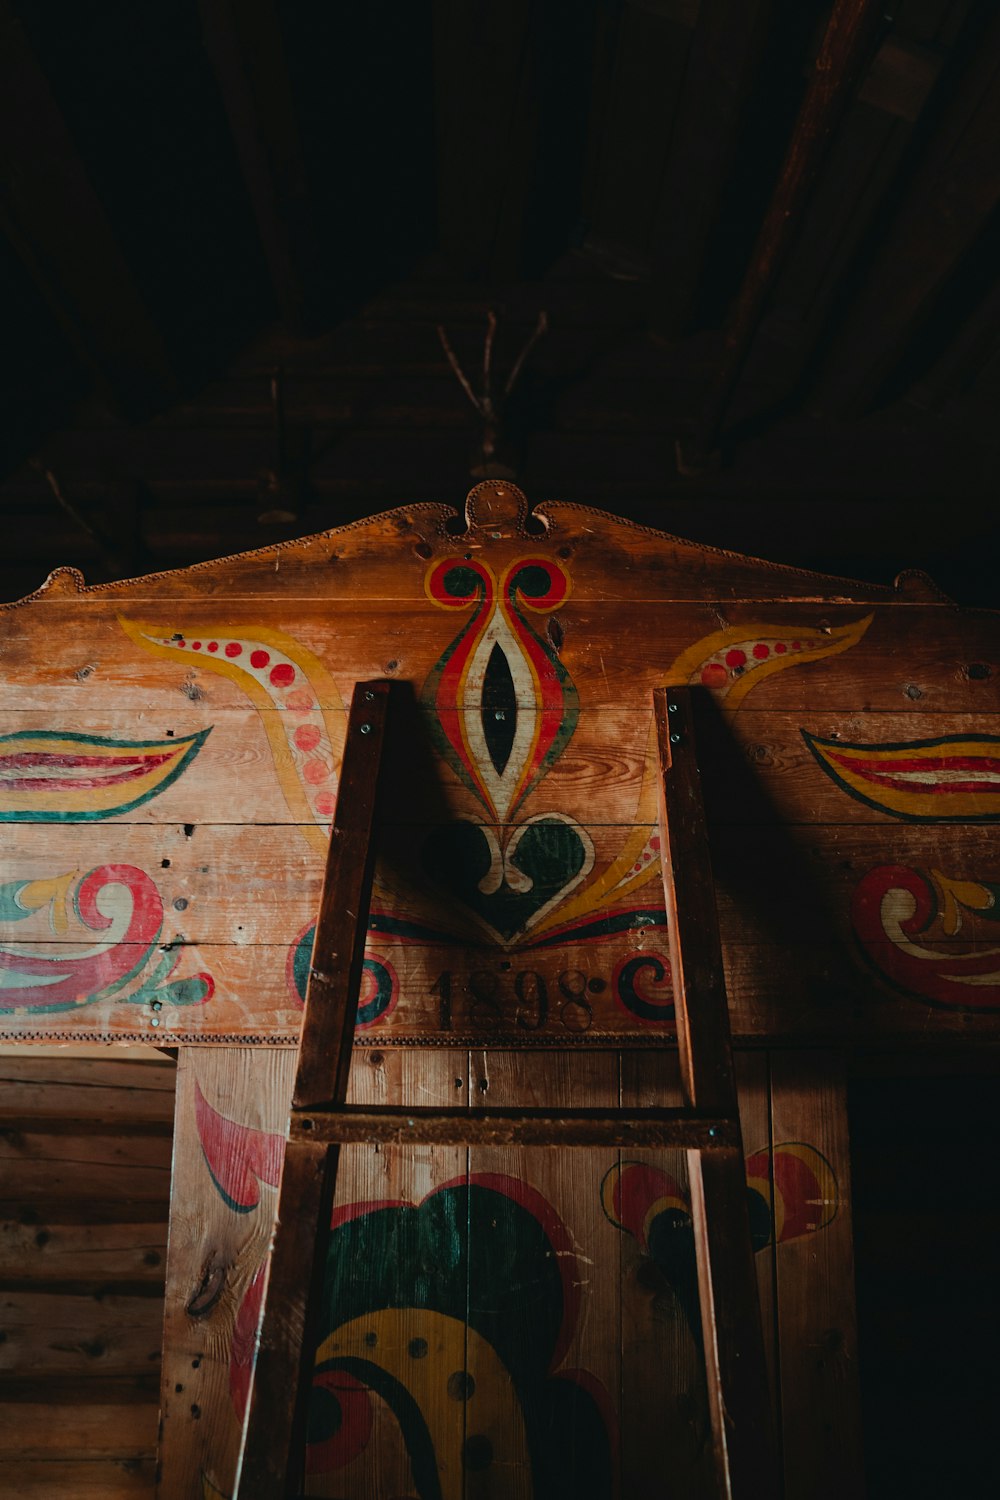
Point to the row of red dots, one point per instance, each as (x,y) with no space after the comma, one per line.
(307,736)
(282,675)
(714,675)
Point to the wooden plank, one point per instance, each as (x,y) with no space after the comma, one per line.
(102,1479)
(910,657)
(59,1334)
(726,50)
(293,1284)
(333,987)
(843,54)
(707,1076)
(946,207)
(664,1405)
(217,1250)
(31,1431)
(645,59)
(815,1278)
(544,1291)
(49,1250)
(232,1104)
(510,89)
(521,1126)
(664,1402)
(82,1169)
(845,977)
(128,1095)
(395,1298)
(247,53)
(730,1311)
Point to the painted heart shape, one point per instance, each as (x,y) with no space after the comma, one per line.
(508,889)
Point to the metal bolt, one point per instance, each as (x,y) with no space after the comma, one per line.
(156,1004)
(712,1132)
(369,697)
(498,713)
(675,739)
(366,729)
(155,1021)
(672,707)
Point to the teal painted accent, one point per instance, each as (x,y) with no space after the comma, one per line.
(473,1253)
(10,911)
(457,857)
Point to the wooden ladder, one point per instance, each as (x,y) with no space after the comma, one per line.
(321,1122)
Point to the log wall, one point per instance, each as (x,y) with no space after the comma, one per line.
(85,1147)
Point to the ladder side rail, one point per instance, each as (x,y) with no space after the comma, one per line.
(735,1365)
(273,1444)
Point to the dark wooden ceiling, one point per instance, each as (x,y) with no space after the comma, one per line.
(200,193)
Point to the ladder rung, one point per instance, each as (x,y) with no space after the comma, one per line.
(350,1124)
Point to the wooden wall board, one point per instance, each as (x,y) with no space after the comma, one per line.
(84,1479)
(222,1216)
(814,1261)
(81,1273)
(31,1430)
(434,1288)
(168,768)
(232,1110)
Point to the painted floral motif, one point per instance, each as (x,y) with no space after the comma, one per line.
(379,980)
(49,776)
(300,707)
(929,935)
(732,661)
(115,914)
(502,706)
(791,1191)
(729,663)
(955,778)
(472,1367)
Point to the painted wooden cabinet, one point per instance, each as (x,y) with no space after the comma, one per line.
(500,1322)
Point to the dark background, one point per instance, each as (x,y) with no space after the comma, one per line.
(216,209)
(200,192)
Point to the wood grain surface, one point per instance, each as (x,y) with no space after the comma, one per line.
(842,730)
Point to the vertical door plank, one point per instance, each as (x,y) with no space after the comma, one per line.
(543,1365)
(815,1278)
(231,1111)
(753,1088)
(664,1414)
(665,1431)
(393,1309)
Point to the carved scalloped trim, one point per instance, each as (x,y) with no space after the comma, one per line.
(785,569)
(626,1040)
(916,586)
(548,514)
(432,508)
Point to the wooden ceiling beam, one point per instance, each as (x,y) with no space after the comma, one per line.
(640,58)
(57,225)
(511,85)
(484,86)
(244,43)
(952,193)
(857,179)
(844,52)
(723,64)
